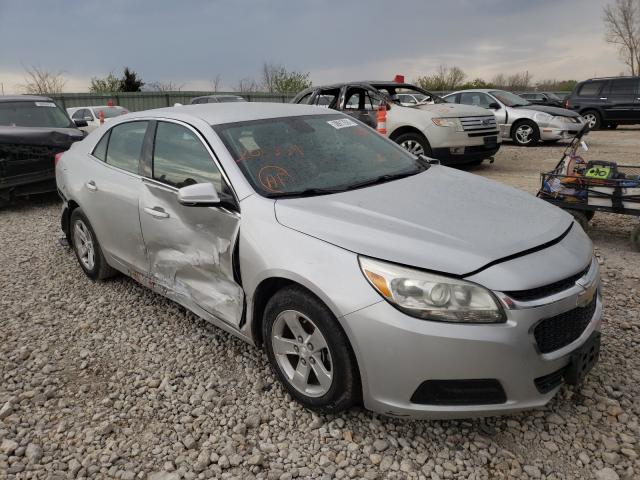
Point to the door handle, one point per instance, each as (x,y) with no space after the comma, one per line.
(156,212)
(604,98)
(91,186)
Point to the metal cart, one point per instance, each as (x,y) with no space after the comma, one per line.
(584,187)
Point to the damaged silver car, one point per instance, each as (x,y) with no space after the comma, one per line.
(370,276)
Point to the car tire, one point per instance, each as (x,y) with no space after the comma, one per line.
(414,143)
(322,377)
(635,237)
(525,133)
(581,218)
(589,214)
(87,249)
(593,118)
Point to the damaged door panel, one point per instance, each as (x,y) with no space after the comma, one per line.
(190,252)
(190,248)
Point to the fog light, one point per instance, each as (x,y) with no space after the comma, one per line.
(456,150)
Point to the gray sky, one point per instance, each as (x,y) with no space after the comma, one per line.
(189,42)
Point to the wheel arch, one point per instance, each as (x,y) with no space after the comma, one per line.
(408,129)
(66,218)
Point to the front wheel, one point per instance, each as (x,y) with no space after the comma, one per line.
(414,143)
(309,352)
(526,133)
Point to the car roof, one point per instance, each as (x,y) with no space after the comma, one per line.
(24,98)
(95,106)
(219,113)
(380,83)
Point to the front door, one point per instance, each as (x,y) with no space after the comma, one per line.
(110,191)
(190,249)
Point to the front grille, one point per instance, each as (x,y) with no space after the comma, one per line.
(547,290)
(470,124)
(16,159)
(548,382)
(459,392)
(556,332)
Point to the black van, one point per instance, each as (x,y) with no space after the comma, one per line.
(607,102)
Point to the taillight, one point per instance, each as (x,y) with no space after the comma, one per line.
(567,103)
(57,158)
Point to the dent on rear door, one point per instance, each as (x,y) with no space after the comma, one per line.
(191,253)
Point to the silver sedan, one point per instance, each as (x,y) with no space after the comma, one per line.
(367,274)
(521,121)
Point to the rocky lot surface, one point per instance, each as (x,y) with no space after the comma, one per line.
(108,380)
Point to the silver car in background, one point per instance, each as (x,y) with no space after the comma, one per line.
(369,275)
(521,121)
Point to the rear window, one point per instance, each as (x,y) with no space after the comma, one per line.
(44,114)
(590,89)
(109,112)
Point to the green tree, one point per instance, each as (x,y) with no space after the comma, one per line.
(445,78)
(130,81)
(277,79)
(108,84)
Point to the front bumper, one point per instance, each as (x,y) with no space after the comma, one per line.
(397,353)
(559,130)
(462,155)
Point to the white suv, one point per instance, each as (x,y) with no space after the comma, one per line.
(454,134)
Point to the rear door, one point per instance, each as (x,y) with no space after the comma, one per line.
(190,249)
(110,184)
(362,104)
(620,99)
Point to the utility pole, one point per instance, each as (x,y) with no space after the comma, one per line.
(2,85)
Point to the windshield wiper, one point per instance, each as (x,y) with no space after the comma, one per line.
(384,178)
(307,192)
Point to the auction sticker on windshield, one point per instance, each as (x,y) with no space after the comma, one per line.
(342,123)
(45,104)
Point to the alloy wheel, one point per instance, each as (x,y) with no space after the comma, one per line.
(413,146)
(524,134)
(591,119)
(83,243)
(302,353)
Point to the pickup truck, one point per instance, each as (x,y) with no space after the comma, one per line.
(33,129)
(453,134)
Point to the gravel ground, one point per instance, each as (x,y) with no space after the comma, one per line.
(110,380)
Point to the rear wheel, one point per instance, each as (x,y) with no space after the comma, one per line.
(87,249)
(594,121)
(309,352)
(414,143)
(581,218)
(635,237)
(526,133)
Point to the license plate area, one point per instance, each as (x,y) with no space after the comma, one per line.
(583,360)
(492,140)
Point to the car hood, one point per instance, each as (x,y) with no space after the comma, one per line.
(51,137)
(555,111)
(442,219)
(454,110)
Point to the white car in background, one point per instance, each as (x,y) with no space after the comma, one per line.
(91,114)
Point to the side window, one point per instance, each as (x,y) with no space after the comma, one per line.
(455,98)
(77,115)
(100,151)
(125,145)
(327,98)
(475,98)
(625,87)
(371,101)
(180,158)
(590,89)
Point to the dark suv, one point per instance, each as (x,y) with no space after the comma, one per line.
(607,102)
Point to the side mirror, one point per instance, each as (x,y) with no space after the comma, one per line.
(80,123)
(199,195)
(494,106)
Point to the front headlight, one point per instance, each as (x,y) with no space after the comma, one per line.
(448,122)
(542,117)
(430,296)
(569,120)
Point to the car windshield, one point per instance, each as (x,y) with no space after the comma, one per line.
(230,99)
(314,155)
(510,99)
(421,95)
(553,96)
(109,112)
(44,114)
